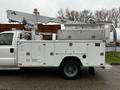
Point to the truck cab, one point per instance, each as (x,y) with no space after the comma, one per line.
(8,49)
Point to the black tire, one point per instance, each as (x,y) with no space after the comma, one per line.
(70,70)
(91,71)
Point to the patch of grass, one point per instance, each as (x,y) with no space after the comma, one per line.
(112,57)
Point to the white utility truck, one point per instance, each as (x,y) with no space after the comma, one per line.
(77,45)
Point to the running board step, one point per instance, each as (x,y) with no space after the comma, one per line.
(9,68)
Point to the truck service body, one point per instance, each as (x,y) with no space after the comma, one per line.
(50,53)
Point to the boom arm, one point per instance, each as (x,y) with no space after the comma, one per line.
(20,17)
(31,20)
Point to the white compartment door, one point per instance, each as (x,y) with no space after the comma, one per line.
(96,54)
(37,54)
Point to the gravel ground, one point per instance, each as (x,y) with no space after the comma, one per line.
(51,80)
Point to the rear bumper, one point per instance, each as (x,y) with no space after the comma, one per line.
(107,66)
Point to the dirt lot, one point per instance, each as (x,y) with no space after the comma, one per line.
(51,80)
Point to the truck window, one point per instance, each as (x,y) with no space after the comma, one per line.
(6,38)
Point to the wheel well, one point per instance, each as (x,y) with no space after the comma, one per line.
(71,58)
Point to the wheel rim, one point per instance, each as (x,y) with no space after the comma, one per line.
(71,70)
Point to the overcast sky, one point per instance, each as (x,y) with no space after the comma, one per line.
(51,7)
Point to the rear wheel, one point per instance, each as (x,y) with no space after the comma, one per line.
(70,70)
